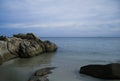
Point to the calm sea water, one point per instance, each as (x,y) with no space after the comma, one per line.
(72,53)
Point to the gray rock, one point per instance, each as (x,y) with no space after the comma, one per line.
(27,36)
(4,51)
(29,49)
(13,45)
(24,46)
(44,71)
(109,71)
(50,47)
(41,74)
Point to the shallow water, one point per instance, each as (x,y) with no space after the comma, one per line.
(72,53)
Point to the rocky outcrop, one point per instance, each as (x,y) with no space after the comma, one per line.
(24,46)
(109,71)
(49,46)
(41,74)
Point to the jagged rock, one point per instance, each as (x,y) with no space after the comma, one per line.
(40,75)
(109,71)
(13,45)
(29,49)
(23,45)
(3,38)
(26,36)
(50,47)
(4,52)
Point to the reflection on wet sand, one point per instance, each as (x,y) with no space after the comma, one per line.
(21,69)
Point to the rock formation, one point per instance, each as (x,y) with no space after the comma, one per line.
(24,46)
(109,71)
(41,74)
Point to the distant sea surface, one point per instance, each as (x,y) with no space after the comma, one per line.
(72,53)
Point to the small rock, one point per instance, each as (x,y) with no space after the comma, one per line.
(41,74)
(44,71)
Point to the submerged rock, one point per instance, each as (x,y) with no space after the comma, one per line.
(109,71)
(24,46)
(41,74)
(38,78)
(44,71)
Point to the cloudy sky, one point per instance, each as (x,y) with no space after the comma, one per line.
(61,18)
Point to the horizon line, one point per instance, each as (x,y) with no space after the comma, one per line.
(80,37)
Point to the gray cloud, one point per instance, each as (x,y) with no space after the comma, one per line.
(73,17)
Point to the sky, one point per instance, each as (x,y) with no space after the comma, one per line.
(61,18)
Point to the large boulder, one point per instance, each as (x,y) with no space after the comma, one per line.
(23,45)
(109,71)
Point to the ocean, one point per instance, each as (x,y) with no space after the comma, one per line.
(72,53)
